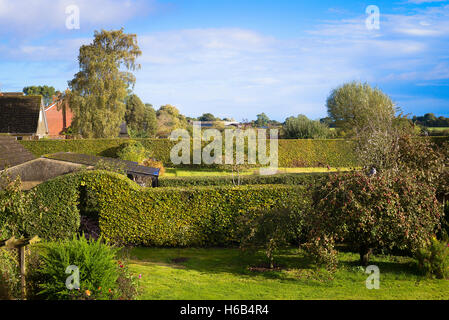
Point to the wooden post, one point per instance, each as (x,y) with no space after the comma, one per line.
(22,265)
(20,245)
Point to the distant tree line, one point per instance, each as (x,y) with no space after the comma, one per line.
(101,98)
(47,92)
(430,120)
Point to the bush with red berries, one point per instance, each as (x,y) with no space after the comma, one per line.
(385,211)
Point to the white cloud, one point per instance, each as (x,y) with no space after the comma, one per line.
(239,72)
(41,16)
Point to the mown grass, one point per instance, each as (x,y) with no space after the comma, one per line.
(223,274)
(182,172)
(437,128)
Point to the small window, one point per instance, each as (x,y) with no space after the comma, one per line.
(19,138)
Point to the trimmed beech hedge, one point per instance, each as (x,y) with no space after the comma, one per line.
(285,179)
(54,213)
(166,217)
(292,153)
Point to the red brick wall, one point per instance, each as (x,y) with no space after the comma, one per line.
(55,120)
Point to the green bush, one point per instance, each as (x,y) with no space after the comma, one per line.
(98,270)
(132,151)
(285,179)
(433,260)
(203,216)
(301,127)
(271,230)
(9,275)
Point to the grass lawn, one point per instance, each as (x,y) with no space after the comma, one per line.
(223,274)
(437,128)
(181,172)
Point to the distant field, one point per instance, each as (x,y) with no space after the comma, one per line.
(438,128)
(183,172)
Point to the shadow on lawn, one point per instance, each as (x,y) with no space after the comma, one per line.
(217,260)
(401,266)
(295,265)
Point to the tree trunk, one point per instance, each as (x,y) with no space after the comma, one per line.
(365,253)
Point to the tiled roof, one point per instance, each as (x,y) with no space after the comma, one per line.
(12,153)
(19,114)
(129,166)
(11,94)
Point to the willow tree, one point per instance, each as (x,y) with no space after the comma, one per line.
(100,87)
(369,116)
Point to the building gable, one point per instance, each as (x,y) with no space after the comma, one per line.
(21,115)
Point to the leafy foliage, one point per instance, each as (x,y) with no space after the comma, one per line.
(433,260)
(14,206)
(169,119)
(47,92)
(271,230)
(303,128)
(110,166)
(285,179)
(207,117)
(355,106)
(9,275)
(292,152)
(430,120)
(202,216)
(100,87)
(132,151)
(382,212)
(153,163)
(317,153)
(51,213)
(98,269)
(141,118)
(369,116)
(54,213)
(262,120)
(429,160)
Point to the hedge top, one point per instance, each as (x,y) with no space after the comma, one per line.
(335,153)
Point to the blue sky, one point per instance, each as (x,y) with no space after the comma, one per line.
(240,58)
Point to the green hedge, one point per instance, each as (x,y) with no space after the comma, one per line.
(292,153)
(58,215)
(202,216)
(285,179)
(316,153)
(49,211)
